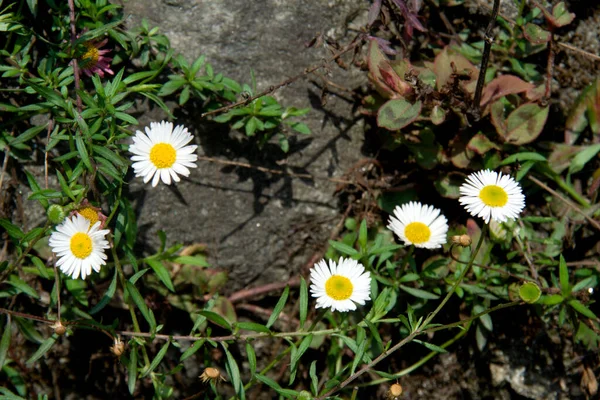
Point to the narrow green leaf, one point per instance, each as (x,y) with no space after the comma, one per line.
(199,261)
(132,368)
(362,235)
(110,292)
(83,153)
(314,380)
(157,359)
(583,157)
(303,302)
(28,135)
(551,300)
(140,304)
(431,346)
(343,248)
(234,374)
(162,273)
(581,309)
(521,157)
(13,231)
(216,319)
(251,359)
(253,326)
(278,307)
(43,349)
(22,286)
(197,345)
(422,294)
(359,355)
(5,342)
(304,344)
(563,276)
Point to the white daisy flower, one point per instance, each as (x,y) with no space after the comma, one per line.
(488,194)
(340,286)
(161,153)
(419,225)
(79,248)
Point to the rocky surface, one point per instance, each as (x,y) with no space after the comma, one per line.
(259,226)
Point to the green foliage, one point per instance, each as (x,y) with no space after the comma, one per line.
(421,108)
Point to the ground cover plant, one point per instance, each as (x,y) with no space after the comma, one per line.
(474,222)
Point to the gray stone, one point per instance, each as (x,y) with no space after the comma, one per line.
(259,226)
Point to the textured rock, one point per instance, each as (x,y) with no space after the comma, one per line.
(261,227)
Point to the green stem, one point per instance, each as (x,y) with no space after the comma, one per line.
(422,328)
(405,261)
(134,320)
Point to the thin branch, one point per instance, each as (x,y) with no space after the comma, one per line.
(273,171)
(569,203)
(357,42)
(485,58)
(75,65)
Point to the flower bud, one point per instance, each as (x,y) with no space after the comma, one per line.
(118,347)
(461,240)
(394,392)
(59,328)
(56,214)
(304,395)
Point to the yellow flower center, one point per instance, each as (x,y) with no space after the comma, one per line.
(163,155)
(90,214)
(81,245)
(90,58)
(493,196)
(417,232)
(339,287)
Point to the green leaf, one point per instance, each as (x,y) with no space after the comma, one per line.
(199,261)
(431,346)
(132,368)
(216,319)
(234,374)
(21,286)
(485,319)
(581,309)
(303,302)
(110,292)
(5,341)
(253,326)
(251,359)
(278,307)
(295,358)
(343,248)
(141,304)
(398,113)
(535,34)
(422,294)
(551,300)
(13,231)
(583,157)
(83,153)
(362,235)
(301,128)
(162,273)
(564,277)
(358,356)
(197,345)
(28,135)
(157,359)
(520,157)
(43,349)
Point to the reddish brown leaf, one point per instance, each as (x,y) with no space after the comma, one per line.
(503,86)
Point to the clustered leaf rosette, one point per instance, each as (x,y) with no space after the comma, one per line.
(162,153)
(419,225)
(340,286)
(79,247)
(491,195)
